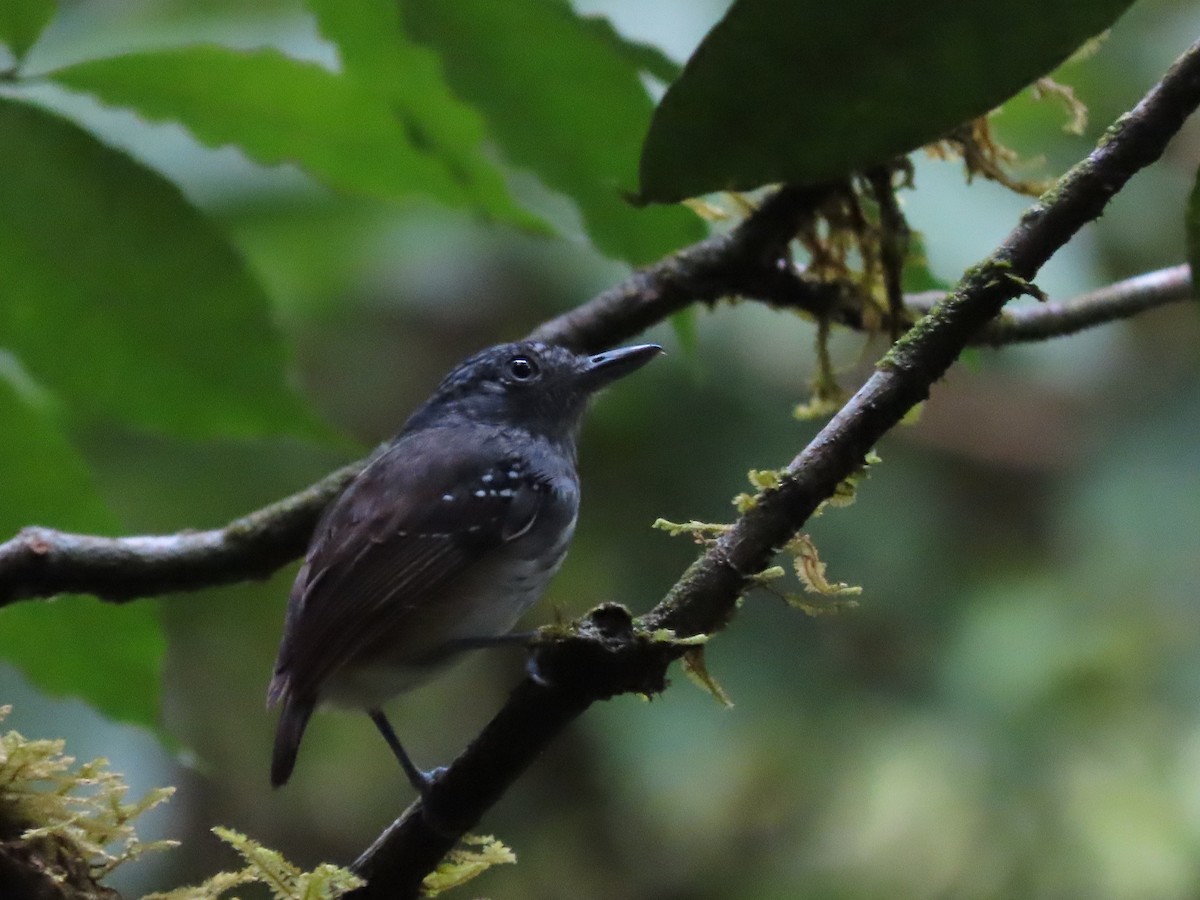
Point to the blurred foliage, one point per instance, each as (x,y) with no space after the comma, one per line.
(1193,226)
(22,22)
(346,131)
(239,241)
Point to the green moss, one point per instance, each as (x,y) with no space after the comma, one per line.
(65,822)
(285,880)
(69,826)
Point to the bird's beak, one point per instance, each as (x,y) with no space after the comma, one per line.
(605,368)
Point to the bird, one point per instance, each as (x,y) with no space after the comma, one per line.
(448,534)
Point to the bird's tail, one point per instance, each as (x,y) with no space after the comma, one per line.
(293,719)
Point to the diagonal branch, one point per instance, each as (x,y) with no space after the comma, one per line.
(611,654)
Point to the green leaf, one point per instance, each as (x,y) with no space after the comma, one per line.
(22,23)
(804,92)
(1192,227)
(110,656)
(560,100)
(278,109)
(122,298)
(406,82)
(646,57)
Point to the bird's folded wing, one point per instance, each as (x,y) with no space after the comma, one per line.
(397,538)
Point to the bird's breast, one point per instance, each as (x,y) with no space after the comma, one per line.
(502,589)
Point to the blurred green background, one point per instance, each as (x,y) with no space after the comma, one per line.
(1012,711)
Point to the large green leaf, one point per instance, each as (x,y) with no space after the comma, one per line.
(561,99)
(122,298)
(279,109)
(808,90)
(22,22)
(406,82)
(110,656)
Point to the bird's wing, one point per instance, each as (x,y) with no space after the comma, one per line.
(421,514)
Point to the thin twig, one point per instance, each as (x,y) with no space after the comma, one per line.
(1050,319)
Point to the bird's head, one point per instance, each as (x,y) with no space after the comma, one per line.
(542,388)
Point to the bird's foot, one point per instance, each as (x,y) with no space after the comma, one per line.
(523,638)
(533,670)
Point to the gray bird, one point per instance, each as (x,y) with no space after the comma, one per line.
(446,537)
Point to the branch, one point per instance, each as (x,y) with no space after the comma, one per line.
(42,562)
(749,260)
(1108,304)
(1120,300)
(705,597)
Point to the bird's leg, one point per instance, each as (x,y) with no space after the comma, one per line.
(524,638)
(533,669)
(419,779)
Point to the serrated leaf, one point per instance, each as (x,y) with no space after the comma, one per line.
(110,656)
(560,100)
(278,109)
(122,299)
(474,855)
(285,880)
(269,866)
(211,888)
(22,23)
(809,91)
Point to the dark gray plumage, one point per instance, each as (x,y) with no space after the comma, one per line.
(447,536)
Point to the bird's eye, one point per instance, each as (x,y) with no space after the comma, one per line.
(522,368)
